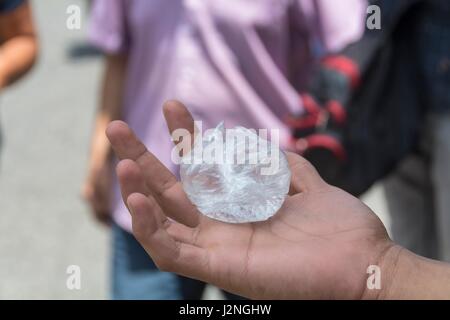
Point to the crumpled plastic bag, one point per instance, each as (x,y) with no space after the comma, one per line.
(235,175)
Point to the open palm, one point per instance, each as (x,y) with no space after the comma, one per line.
(318,245)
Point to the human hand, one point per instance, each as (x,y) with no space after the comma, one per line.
(96,191)
(318,245)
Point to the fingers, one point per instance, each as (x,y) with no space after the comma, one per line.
(304,176)
(96,193)
(161,183)
(132,181)
(146,229)
(100,210)
(178,116)
(166,252)
(124,142)
(184,234)
(181,125)
(130,178)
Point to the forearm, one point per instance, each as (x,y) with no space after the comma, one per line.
(409,276)
(19,47)
(100,150)
(17,56)
(109,109)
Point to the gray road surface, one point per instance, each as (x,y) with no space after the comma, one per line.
(46,121)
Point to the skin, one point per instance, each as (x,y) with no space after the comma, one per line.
(18,44)
(97,185)
(317,246)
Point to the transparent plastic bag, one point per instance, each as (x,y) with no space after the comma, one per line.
(243,180)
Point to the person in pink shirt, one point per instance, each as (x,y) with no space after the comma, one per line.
(239,61)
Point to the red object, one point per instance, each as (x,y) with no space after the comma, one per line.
(322,141)
(310,119)
(337,111)
(309,103)
(304,122)
(345,66)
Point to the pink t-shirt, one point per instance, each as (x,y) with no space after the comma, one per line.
(238,61)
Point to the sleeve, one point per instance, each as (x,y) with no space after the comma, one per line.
(9,5)
(108,29)
(332,24)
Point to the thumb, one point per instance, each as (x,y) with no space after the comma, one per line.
(304,176)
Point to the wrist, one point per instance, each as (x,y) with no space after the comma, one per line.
(378,284)
(101,152)
(391,265)
(406,275)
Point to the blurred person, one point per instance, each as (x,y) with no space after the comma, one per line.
(236,61)
(18,44)
(402,73)
(418,192)
(321,244)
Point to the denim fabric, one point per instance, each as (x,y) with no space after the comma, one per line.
(8,5)
(135,276)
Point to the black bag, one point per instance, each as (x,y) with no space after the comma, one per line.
(383,114)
